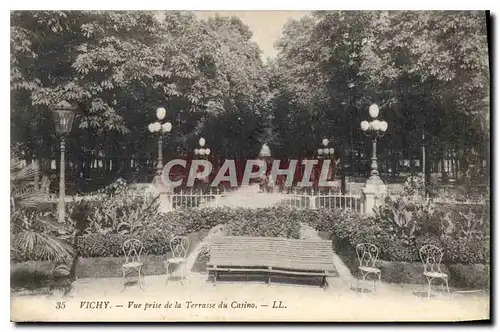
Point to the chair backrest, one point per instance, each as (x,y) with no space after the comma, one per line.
(367,254)
(431,257)
(179,246)
(133,250)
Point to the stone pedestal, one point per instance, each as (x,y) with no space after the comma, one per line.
(166,203)
(165,193)
(373,194)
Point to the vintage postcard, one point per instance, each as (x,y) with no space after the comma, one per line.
(182,166)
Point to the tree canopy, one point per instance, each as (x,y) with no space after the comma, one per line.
(428,71)
(119,66)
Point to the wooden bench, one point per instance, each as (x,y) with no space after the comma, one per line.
(271,255)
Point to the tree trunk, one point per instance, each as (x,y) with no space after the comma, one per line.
(37,174)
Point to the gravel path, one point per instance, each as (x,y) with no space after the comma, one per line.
(298,303)
(307,232)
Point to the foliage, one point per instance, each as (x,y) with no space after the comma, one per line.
(22,190)
(120,211)
(467,226)
(29,234)
(410,214)
(348,229)
(30,239)
(118,66)
(155,234)
(400,228)
(267,222)
(157,230)
(466,251)
(427,70)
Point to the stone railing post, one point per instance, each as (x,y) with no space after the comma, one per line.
(217,200)
(373,195)
(166,203)
(165,193)
(312,202)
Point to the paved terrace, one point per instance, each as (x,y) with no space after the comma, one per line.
(250,301)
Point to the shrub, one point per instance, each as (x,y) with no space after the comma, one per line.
(348,228)
(475,276)
(156,233)
(268,222)
(466,251)
(110,245)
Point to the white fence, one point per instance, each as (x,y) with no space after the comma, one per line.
(304,200)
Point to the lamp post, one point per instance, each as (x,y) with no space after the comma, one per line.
(325,152)
(159,129)
(264,156)
(63,115)
(374,129)
(202,152)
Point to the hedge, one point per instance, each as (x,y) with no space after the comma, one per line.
(346,228)
(156,233)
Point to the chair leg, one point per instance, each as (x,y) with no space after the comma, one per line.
(141,281)
(447,288)
(187,273)
(364,278)
(357,280)
(325,283)
(123,279)
(214,279)
(429,281)
(166,273)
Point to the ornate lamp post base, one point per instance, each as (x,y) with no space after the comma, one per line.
(374,179)
(160,129)
(375,189)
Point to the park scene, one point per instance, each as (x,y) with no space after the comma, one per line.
(198,166)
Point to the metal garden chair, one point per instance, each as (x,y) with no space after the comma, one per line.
(431,257)
(133,250)
(367,256)
(179,246)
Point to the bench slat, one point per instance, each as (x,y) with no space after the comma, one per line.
(277,271)
(236,252)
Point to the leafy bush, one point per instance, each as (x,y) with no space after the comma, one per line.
(466,251)
(348,228)
(400,228)
(156,233)
(457,223)
(111,245)
(120,210)
(268,222)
